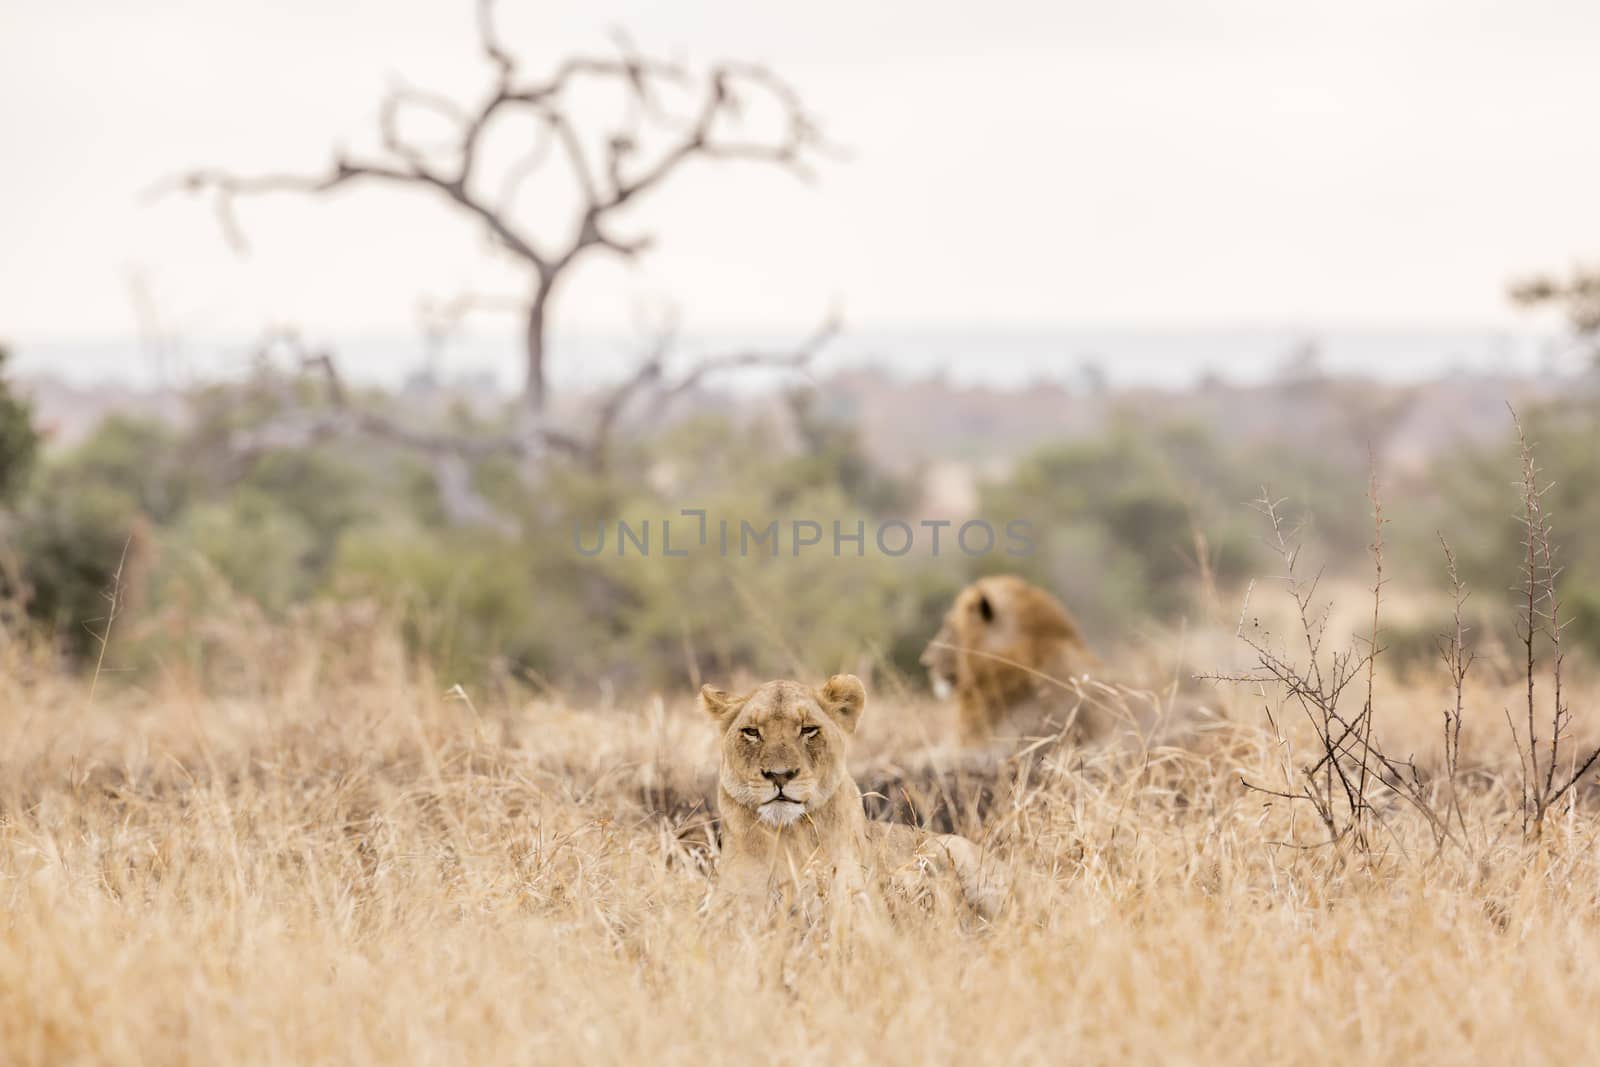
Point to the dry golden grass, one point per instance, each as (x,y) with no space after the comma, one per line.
(343,863)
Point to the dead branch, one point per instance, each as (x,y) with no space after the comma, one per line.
(608,178)
(1373,648)
(1457,660)
(1541,615)
(300,425)
(1350,762)
(653,379)
(1333,784)
(646,376)
(337,412)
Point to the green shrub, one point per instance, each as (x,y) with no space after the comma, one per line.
(19,441)
(1115,521)
(1474,499)
(70,540)
(261,548)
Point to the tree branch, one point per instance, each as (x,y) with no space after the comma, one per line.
(715,130)
(651,377)
(796,358)
(303,425)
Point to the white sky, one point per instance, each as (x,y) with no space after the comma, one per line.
(1147,162)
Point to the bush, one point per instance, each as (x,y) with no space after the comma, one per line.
(261,548)
(1116,519)
(71,541)
(148,460)
(19,441)
(1468,502)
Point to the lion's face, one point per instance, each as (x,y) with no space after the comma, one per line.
(941,660)
(969,624)
(783,744)
(997,629)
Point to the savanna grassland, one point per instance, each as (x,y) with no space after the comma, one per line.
(342,858)
(334,732)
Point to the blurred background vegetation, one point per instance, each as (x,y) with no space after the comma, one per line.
(288,502)
(1139,525)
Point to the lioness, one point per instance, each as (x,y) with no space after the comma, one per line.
(791,813)
(1012,657)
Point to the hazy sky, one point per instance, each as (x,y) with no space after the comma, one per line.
(1148,162)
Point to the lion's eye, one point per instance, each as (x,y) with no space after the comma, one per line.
(751,733)
(808,732)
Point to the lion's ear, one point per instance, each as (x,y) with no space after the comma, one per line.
(985,608)
(716,702)
(843,697)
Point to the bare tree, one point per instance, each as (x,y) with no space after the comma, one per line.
(612,168)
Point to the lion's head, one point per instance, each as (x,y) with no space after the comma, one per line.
(783,744)
(1000,641)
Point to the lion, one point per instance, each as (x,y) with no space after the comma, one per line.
(1014,659)
(792,815)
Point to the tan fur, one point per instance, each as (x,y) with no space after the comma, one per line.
(792,820)
(1014,659)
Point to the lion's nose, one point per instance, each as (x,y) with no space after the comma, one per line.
(779,778)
